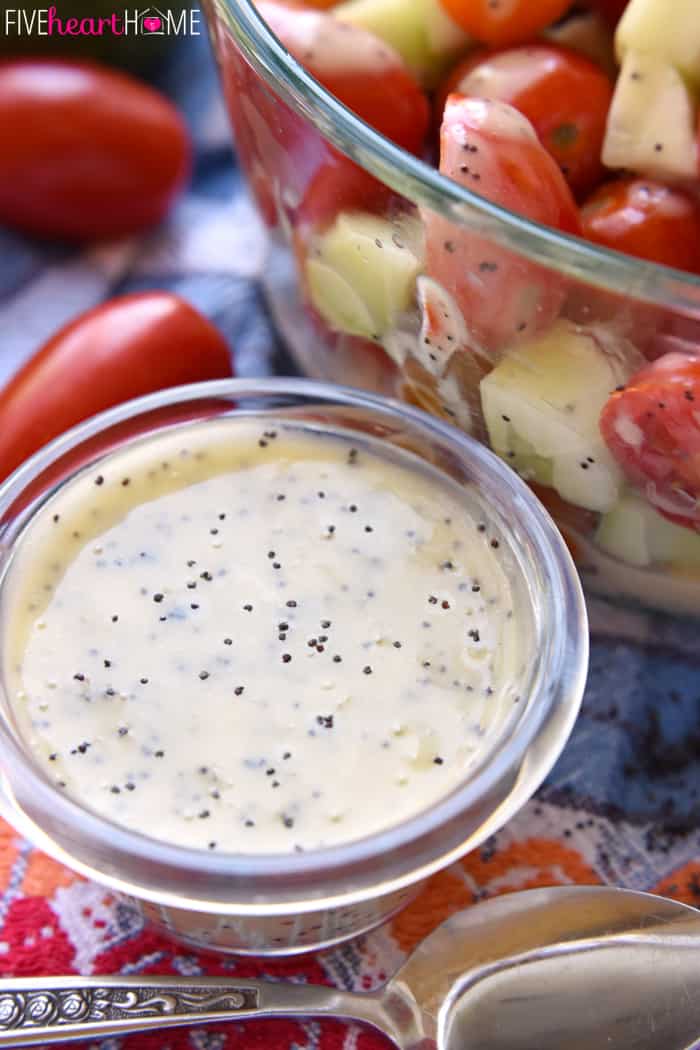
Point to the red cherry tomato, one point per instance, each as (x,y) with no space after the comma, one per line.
(492,149)
(646,219)
(291,167)
(504,22)
(652,428)
(87,152)
(133,345)
(339,185)
(565,96)
(367,75)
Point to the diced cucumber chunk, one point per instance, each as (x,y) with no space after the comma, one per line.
(420,30)
(445,37)
(400,28)
(667,30)
(670,543)
(542,404)
(637,534)
(337,301)
(522,458)
(362,273)
(623,532)
(651,123)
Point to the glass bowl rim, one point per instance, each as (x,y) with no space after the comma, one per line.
(574,257)
(560,681)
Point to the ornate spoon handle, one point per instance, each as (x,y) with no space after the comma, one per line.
(60,1009)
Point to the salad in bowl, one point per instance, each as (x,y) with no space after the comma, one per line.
(491,209)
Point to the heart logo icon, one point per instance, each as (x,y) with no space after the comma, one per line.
(151,24)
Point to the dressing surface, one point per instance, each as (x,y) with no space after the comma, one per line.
(247,637)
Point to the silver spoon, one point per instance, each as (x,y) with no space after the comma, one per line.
(584,968)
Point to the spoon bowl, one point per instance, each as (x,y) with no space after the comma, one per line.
(575,967)
(568,966)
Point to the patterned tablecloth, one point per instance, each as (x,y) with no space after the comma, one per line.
(622,805)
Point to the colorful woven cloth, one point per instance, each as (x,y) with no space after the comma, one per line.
(622,805)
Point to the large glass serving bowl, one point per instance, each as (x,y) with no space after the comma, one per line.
(313,167)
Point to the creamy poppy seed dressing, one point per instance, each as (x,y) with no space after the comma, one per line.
(245,636)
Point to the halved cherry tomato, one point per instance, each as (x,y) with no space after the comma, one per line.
(565,96)
(87,152)
(294,172)
(337,185)
(367,75)
(651,221)
(492,149)
(504,22)
(646,219)
(652,428)
(133,345)
(296,176)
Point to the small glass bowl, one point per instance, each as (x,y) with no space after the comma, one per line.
(283,904)
(311,163)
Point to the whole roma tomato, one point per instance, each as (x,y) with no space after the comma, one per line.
(500,23)
(87,152)
(652,428)
(111,438)
(133,345)
(493,150)
(565,96)
(647,219)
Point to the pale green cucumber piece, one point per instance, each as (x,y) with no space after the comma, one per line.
(541,406)
(337,301)
(637,534)
(667,30)
(398,22)
(651,125)
(445,37)
(522,458)
(622,532)
(423,34)
(362,273)
(672,544)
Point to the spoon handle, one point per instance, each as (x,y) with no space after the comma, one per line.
(47,1010)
